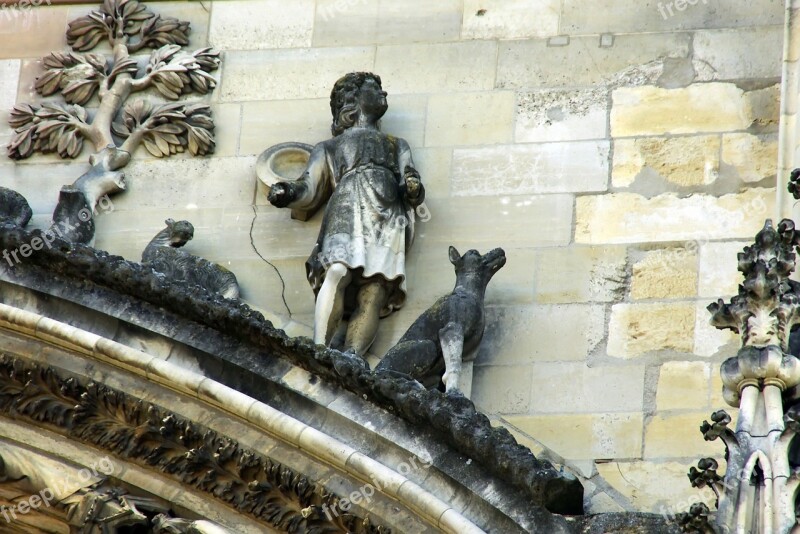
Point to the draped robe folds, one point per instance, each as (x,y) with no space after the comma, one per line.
(368,222)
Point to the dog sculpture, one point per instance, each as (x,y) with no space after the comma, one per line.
(449,332)
(163,256)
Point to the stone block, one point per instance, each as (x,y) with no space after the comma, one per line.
(40,182)
(285,74)
(580,166)
(261,24)
(9,80)
(582,62)
(434,165)
(665,274)
(270,122)
(649,110)
(586,436)
(430,68)
(708,339)
(741,53)
(470,118)
(718,271)
(655,487)
(763,108)
(357,22)
(268,286)
(547,220)
(631,218)
(580,274)
(514,19)
(32,32)
(682,161)
(670,435)
(406,118)
(683,386)
(561,115)
(636,329)
(572,387)
(525,334)
(618,16)
(753,157)
(502,389)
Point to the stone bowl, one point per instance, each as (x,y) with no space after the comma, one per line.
(282,162)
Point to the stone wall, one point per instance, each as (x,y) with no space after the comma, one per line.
(621,152)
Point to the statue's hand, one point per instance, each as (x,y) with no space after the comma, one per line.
(282,194)
(412,181)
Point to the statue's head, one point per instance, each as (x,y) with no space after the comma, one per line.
(180,232)
(354,92)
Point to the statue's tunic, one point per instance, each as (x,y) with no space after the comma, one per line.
(367,224)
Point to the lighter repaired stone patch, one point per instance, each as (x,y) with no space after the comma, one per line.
(683,161)
(531,169)
(580,274)
(561,115)
(510,19)
(718,272)
(632,218)
(709,340)
(665,274)
(754,157)
(636,329)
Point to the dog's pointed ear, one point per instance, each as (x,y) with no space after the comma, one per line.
(454,255)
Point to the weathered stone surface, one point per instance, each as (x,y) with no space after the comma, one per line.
(683,161)
(357,22)
(581,62)
(525,334)
(709,340)
(591,389)
(465,66)
(718,272)
(586,436)
(648,110)
(741,53)
(502,389)
(561,115)
(763,108)
(260,24)
(580,274)
(285,74)
(531,169)
(677,436)
(9,80)
(469,118)
(269,122)
(30,32)
(656,487)
(754,158)
(683,386)
(616,16)
(631,218)
(434,166)
(514,19)
(665,274)
(636,329)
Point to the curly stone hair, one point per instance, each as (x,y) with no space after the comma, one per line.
(344,99)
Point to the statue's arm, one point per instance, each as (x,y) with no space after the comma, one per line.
(310,190)
(411,185)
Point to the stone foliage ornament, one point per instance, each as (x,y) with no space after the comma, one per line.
(368,179)
(164,256)
(117,127)
(191,454)
(432,349)
(758,491)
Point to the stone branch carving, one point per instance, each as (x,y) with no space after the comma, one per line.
(152,436)
(432,349)
(757,494)
(357,266)
(128,26)
(454,418)
(164,256)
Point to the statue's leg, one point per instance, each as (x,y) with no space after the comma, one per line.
(364,322)
(330,303)
(451,338)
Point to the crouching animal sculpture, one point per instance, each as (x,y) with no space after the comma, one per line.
(450,331)
(163,256)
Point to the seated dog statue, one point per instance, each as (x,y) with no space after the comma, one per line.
(432,349)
